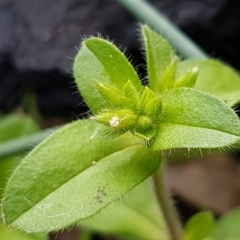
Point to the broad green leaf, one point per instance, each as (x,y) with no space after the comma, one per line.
(136,213)
(100,61)
(72,175)
(159,55)
(199,226)
(215,78)
(227,227)
(210,238)
(194,119)
(10,234)
(13,126)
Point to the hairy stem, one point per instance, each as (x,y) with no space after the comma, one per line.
(166,204)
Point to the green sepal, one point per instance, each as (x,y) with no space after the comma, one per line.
(132,94)
(153,107)
(146,135)
(111,94)
(151,103)
(188,79)
(167,80)
(118,119)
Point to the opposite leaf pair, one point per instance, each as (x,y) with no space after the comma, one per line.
(76,172)
(168,113)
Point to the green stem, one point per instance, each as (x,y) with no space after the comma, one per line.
(146,13)
(164,199)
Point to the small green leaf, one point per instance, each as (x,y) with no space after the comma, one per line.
(227,227)
(136,213)
(72,175)
(188,79)
(159,55)
(167,80)
(151,104)
(112,95)
(216,78)
(100,61)
(194,119)
(199,226)
(13,126)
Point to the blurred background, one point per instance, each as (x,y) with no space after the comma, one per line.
(40,38)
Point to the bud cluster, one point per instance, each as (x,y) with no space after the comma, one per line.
(130,110)
(139,112)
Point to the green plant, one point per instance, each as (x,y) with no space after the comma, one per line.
(11,127)
(88,164)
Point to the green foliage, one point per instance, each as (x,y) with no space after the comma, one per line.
(99,61)
(136,214)
(13,126)
(215,78)
(197,118)
(9,234)
(159,55)
(227,227)
(86,165)
(89,169)
(202,226)
(199,226)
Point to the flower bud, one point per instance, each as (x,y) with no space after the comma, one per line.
(153,108)
(122,118)
(150,103)
(167,80)
(188,79)
(111,94)
(144,123)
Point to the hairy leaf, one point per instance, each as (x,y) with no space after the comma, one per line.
(136,213)
(72,175)
(159,55)
(194,119)
(100,61)
(215,78)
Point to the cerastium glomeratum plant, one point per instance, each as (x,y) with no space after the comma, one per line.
(88,164)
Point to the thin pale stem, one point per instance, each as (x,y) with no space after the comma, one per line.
(147,13)
(166,204)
